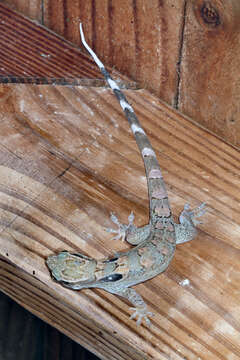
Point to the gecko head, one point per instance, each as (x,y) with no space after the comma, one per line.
(71,268)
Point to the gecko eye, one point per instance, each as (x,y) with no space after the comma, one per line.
(78,255)
(114,277)
(110,260)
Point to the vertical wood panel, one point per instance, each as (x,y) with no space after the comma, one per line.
(31,8)
(122,36)
(140,38)
(31,53)
(210,76)
(53,15)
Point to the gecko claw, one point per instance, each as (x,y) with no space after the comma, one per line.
(123,229)
(141,313)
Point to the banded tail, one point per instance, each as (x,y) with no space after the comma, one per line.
(159,206)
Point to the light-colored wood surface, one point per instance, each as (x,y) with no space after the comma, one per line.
(185,52)
(67,160)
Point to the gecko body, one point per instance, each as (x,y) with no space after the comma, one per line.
(154,243)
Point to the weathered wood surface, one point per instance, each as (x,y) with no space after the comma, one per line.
(210,77)
(67,160)
(186,52)
(30,53)
(124,38)
(33,9)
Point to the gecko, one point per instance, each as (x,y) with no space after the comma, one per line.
(153,244)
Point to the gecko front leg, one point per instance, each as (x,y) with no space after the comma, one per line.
(186,230)
(140,308)
(129,232)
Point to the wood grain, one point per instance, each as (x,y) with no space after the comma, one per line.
(210,79)
(30,53)
(186,52)
(34,9)
(139,38)
(67,160)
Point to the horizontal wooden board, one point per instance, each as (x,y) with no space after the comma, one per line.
(67,159)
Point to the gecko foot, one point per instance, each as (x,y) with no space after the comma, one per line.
(193,214)
(141,313)
(123,229)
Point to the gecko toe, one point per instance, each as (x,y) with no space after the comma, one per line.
(141,313)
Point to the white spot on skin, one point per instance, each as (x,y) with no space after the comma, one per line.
(162,211)
(148,152)
(159,194)
(155,174)
(125,105)
(137,129)
(113,84)
(184,282)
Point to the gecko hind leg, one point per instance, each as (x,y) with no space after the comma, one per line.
(140,308)
(186,230)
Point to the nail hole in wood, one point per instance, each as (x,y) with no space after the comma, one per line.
(209,14)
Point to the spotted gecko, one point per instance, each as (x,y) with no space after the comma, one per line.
(154,243)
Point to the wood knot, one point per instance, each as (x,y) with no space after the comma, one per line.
(209,14)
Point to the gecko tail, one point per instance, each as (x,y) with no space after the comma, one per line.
(72,270)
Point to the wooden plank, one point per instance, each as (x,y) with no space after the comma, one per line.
(31,53)
(185,52)
(139,38)
(30,8)
(67,160)
(210,81)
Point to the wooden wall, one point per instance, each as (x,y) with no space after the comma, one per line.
(186,51)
